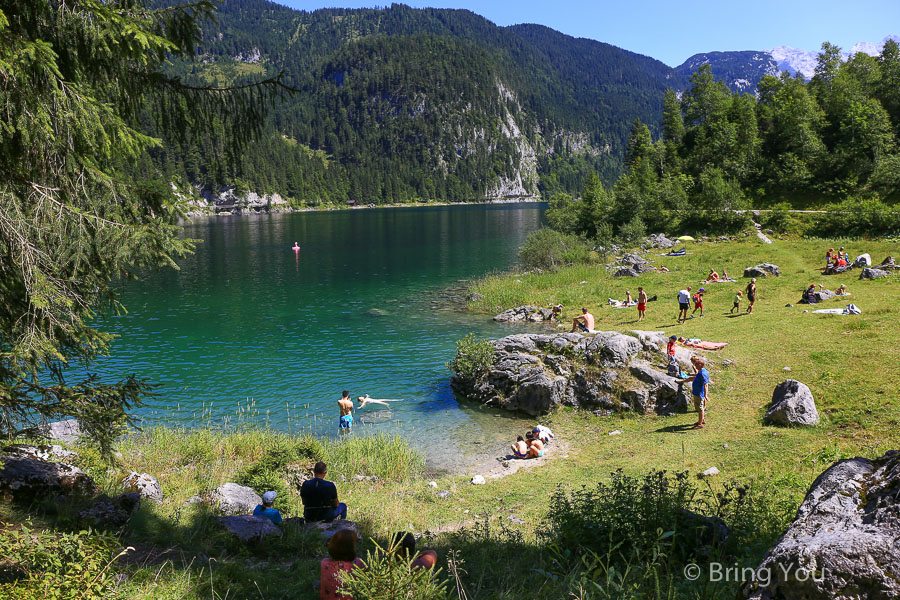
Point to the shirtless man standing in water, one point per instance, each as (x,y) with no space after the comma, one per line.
(345,404)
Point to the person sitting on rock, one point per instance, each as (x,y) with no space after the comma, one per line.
(584,322)
(265,510)
(404,546)
(535,446)
(320,498)
(520,448)
(342,558)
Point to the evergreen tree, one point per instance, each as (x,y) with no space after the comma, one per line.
(78,77)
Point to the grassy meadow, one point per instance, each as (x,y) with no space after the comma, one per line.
(498,531)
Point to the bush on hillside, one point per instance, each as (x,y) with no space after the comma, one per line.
(550,249)
(474,357)
(863,217)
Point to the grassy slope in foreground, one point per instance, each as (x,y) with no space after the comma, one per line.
(844,360)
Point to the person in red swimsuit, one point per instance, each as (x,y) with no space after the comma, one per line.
(642,303)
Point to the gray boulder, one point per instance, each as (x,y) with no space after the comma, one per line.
(521,314)
(816,297)
(43,452)
(762,270)
(67,431)
(110,513)
(792,405)
(626,272)
(843,542)
(863,260)
(248,528)
(610,348)
(474,297)
(234,499)
(658,240)
(25,478)
(652,341)
(873,273)
(633,259)
(144,484)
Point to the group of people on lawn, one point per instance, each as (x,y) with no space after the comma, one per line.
(320,503)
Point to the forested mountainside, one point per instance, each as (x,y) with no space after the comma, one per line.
(399,104)
(741,71)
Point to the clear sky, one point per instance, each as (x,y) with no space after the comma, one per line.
(673,30)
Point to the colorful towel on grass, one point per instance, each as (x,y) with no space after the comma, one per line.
(706,345)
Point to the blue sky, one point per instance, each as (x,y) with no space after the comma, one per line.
(673,30)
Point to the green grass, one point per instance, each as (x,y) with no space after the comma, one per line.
(845,361)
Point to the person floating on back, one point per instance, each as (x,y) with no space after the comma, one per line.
(642,303)
(700,389)
(583,322)
(320,498)
(345,406)
(265,510)
(404,545)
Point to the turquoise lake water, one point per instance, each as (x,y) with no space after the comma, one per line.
(250,333)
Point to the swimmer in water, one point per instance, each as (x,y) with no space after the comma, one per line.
(363,400)
(296,247)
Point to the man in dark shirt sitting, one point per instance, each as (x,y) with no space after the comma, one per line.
(320,499)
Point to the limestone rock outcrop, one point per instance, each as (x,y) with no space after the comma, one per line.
(534,373)
(843,542)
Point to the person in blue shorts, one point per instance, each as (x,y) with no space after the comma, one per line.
(700,389)
(345,405)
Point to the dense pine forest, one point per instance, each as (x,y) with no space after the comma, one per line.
(400,104)
(830,143)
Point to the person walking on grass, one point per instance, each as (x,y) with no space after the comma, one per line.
(700,389)
(698,302)
(737,303)
(684,304)
(751,295)
(642,303)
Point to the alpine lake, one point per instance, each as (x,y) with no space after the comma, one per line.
(249,333)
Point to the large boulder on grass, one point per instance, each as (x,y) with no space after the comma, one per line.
(26,478)
(843,542)
(873,274)
(111,513)
(792,405)
(248,528)
(626,272)
(762,270)
(234,499)
(68,431)
(144,484)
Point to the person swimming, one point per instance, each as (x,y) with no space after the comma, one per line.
(363,400)
(296,247)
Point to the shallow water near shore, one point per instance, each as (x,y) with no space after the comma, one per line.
(250,333)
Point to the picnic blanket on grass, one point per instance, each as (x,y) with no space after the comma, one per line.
(850,309)
(705,345)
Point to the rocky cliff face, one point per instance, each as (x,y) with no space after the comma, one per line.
(607,371)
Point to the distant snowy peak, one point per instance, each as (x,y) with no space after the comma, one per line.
(795,60)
